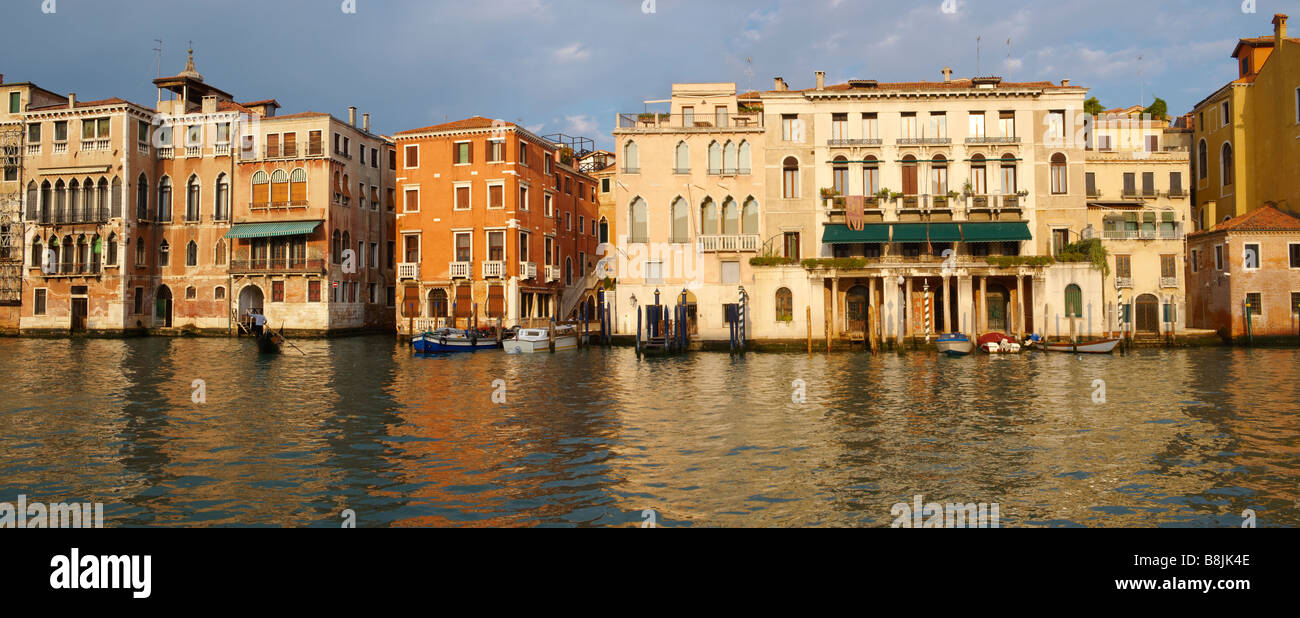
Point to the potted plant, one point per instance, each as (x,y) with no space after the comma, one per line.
(967,190)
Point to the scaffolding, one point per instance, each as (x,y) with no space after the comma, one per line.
(11,215)
(572,149)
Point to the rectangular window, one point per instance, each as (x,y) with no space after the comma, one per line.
(61,131)
(464,153)
(1056,124)
(550,244)
(1254,303)
(1225,113)
(1167,266)
(1148,184)
(1130,184)
(1295,303)
(313,291)
(1007,124)
(1060,238)
(870,126)
(604,185)
(1090,179)
(720,115)
(15,102)
(390,296)
(374,158)
(838,123)
(34,133)
(496,196)
(411,247)
(38,307)
(791,245)
(1218,257)
(1153,143)
(1250,257)
(731,272)
(315,146)
(523,153)
(568,221)
(1297,110)
(1123,266)
(523,198)
(654,272)
(523,247)
(789,128)
(463,247)
(1175,184)
(907,126)
(412,156)
(977,125)
(412,203)
(392,159)
(938,125)
(277,291)
(496,245)
(1196,260)
(550,210)
(462,197)
(1293,251)
(138,301)
(496,150)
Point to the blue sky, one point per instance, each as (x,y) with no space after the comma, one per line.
(570,65)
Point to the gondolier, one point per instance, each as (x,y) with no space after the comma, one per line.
(259,323)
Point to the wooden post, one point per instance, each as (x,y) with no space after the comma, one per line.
(808,317)
(828,326)
(550,336)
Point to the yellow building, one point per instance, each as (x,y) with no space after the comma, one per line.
(1247,133)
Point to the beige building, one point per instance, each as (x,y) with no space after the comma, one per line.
(1139,205)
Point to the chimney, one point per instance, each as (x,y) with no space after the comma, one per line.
(209,104)
(1065,83)
(72,100)
(821,80)
(947,74)
(778,84)
(352,116)
(1279,30)
(365,122)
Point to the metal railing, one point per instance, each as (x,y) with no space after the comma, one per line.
(279,205)
(729,242)
(923,141)
(281,151)
(871,141)
(987,139)
(277,265)
(690,122)
(90,215)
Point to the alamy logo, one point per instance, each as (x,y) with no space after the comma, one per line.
(52,515)
(102,573)
(921,514)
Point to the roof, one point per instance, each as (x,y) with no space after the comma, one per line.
(1257,41)
(955,84)
(262,102)
(1266,219)
(80,104)
(474,122)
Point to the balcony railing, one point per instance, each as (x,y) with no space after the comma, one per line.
(923,141)
(408,270)
(166,152)
(729,242)
(988,139)
(1169,282)
(552,273)
(221,150)
(528,270)
(278,205)
(631,170)
(33,149)
(691,122)
(94,144)
(142,148)
(69,217)
(193,151)
(60,148)
(1124,282)
(873,141)
(458,270)
(1177,193)
(281,151)
(729,171)
(494,270)
(277,265)
(69,269)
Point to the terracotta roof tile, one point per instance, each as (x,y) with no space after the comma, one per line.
(475,122)
(80,104)
(1266,219)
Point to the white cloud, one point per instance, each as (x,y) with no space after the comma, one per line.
(582,125)
(571,53)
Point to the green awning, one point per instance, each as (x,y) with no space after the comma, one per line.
(945,232)
(996,231)
(838,233)
(909,232)
(275,228)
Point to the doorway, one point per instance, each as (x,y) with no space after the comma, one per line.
(855,301)
(79,311)
(163,307)
(1147,314)
(996,308)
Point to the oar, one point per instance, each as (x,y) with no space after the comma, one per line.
(286,340)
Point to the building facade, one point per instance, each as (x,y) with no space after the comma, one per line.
(1245,132)
(1247,265)
(494,223)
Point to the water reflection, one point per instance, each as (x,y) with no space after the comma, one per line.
(593,437)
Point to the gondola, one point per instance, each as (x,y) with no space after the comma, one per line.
(270,342)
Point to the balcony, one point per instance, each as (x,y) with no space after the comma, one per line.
(254,207)
(166,153)
(1124,282)
(277,265)
(73,217)
(729,171)
(142,148)
(494,270)
(528,270)
(68,269)
(1177,194)
(221,150)
(408,270)
(690,122)
(1169,282)
(990,140)
(854,142)
(33,150)
(94,144)
(552,273)
(728,243)
(193,151)
(60,148)
(281,151)
(923,141)
(458,270)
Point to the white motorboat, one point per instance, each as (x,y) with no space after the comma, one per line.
(531,340)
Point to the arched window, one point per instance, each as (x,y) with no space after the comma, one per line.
(165,199)
(790,178)
(744,158)
(192,254)
(730,158)
(730,217)
(219,293)
(164,254)
(715,158)
(298,187)
(280,187)
(681,221)
(979,176)
(639,224)
(870,176)
(51,262)
(111,252)
(1073,301)
(749,217)
(101,201)
(96,248)
(219,253)
(1008,174)
(60,201)
(337,248)
(1226,164)
(116,199)
(221,210)
(604,230)
(784,305)
(33,201)
(437,303)
(631,162)
(1202,160)
(347,243)
(192,194)
(47,202)
(69,259)
(840,176)
(139,252)
(1059,186)
(910,175)
(142,198)
(37,252)
(708,217)
(683,158)
(74,202)
(262,189)
(83,254)
(938,175)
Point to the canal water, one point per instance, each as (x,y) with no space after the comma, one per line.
(204,432)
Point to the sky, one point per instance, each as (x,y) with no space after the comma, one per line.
(569,66)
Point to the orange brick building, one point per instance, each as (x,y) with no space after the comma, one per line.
(493,222)
(1252,259)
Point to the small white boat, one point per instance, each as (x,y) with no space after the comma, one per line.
(954,344)
(1100,346)
(1005,347)
(532,340)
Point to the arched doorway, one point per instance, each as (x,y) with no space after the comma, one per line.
(437,303)
(591,308)
(1146,318)
(163,307)
(251,298)
(996,308)
(604,230)
(855,314)
(692,314)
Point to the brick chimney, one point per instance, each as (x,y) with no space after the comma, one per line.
(72,100)
(778,84)
(1065,83)
(821,80)
(352,116)
(1279,30)
(947,74)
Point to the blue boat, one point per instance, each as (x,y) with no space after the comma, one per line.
(954,344)
(447,340)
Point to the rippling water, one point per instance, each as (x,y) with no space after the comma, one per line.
(594,437)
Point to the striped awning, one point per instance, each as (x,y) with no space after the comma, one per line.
(996,231)
(271,229)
